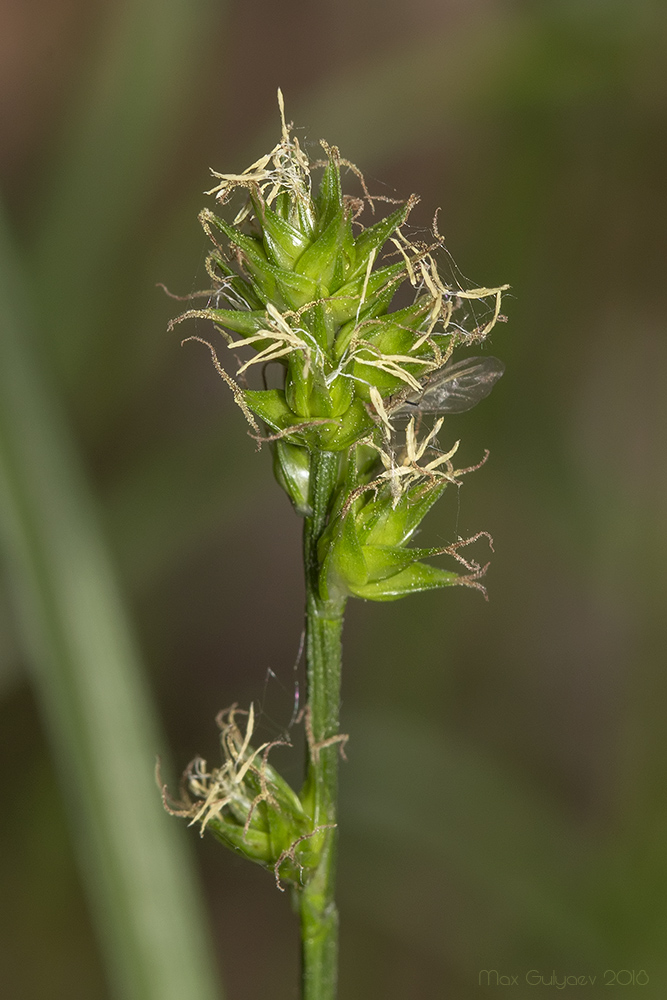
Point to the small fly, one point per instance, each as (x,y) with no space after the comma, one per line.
(455,388)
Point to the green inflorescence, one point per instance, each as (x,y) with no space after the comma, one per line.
(248,806)
(300,282)
(304,286)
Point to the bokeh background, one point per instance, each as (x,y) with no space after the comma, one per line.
(505,800)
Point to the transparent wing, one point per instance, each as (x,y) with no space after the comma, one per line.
(458,387)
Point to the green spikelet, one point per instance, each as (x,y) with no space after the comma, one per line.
(304,286)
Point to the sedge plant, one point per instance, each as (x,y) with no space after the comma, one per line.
(299,281)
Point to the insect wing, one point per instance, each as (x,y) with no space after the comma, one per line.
(460,386)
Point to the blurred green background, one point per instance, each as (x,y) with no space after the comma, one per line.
(504,805)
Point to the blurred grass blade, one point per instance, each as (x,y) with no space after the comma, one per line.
(10,665)
(90,684)
(116,151)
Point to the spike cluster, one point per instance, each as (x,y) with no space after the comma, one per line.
(299,281)
(248,806)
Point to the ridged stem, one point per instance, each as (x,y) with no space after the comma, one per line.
(324,625)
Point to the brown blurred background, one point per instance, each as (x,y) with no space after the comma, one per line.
(504,803)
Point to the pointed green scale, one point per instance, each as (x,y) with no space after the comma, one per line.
(281,831)
(245,323)
(364,467)
(320,403)
(239,285)
(338,277)
(375,237)
(282,205)
(380,523)
(283,243)
(302,216)
(418,502)
(273,284)
(264,284)
(348,564)
(341,392)
(254,846)
(376,308)
(296,209)
(298,385)
(321,260)
(285,289)
(389,338)
(330,196)
(348,428)
(273,825)
(407,321)
(386,383)
(329,400)
(288,801)
(323,400)
(271,406)
(412,580)
(251,247)
(383,561)
(347,248)
(339,539)
(381,285)
(291,467)
(377,304)
(296,289)
(320,322)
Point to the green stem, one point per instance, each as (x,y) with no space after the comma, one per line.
(324,625)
